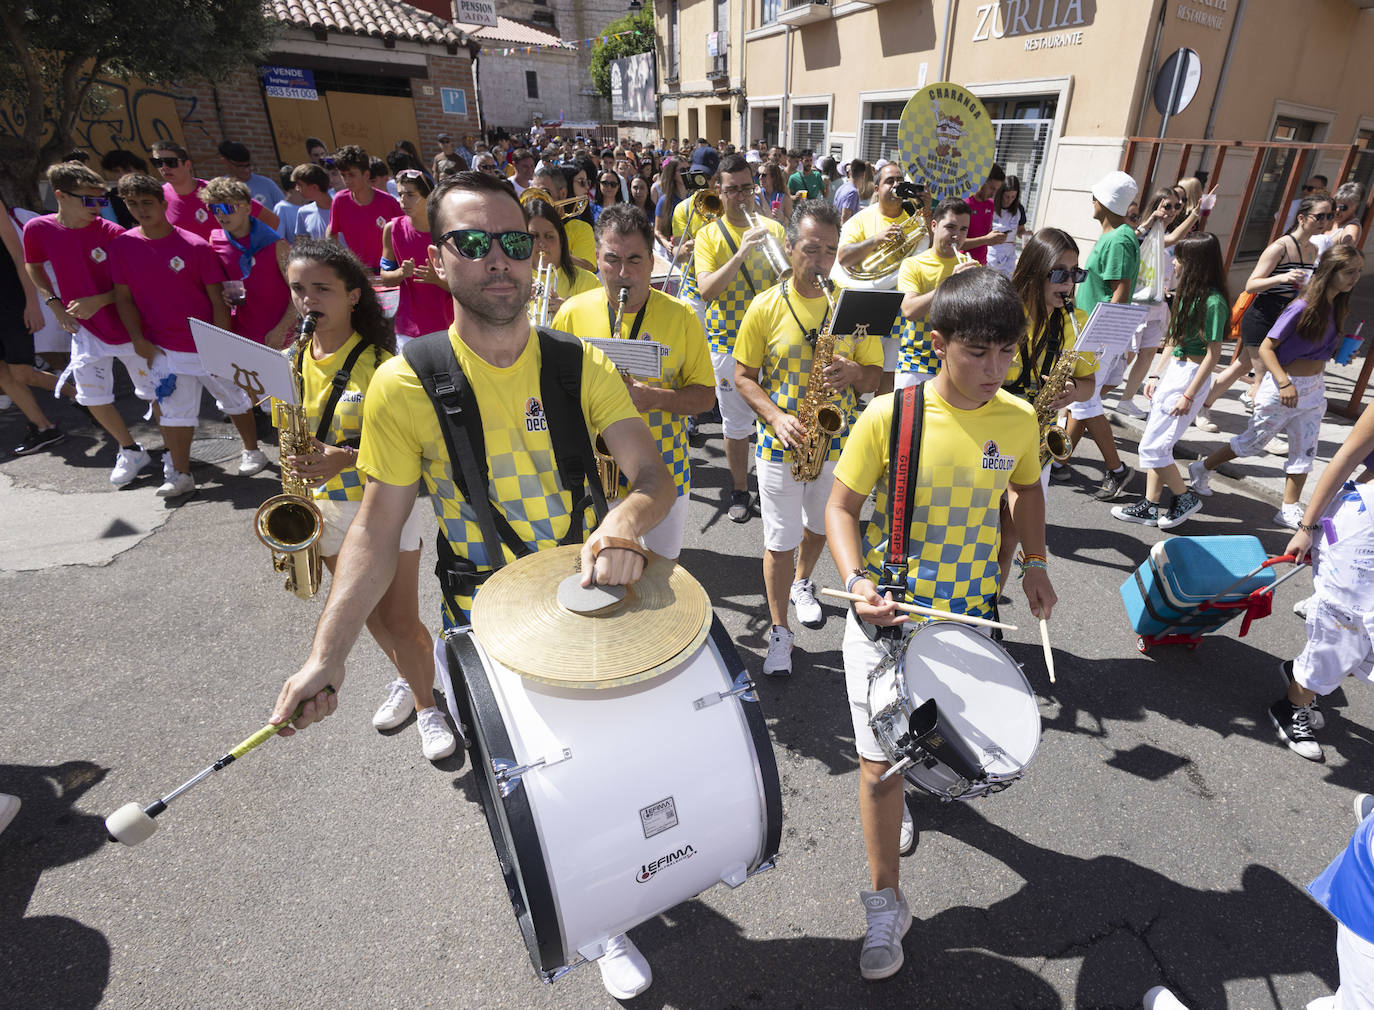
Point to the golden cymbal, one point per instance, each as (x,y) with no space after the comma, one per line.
(518,620)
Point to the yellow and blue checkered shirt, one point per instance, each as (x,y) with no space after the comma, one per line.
(773,342)
(402,444)
(682,231)
(687,363)
(921,274)
(726,312)
(967,459)
(347,423)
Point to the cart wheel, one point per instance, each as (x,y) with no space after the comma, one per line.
(1141,646)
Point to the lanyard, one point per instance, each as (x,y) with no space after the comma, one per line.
(809,334)
(634,328)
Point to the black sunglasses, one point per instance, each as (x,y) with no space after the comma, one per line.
(474,244)
(1322,217)
(610,182)
(171,161)
(1058,275)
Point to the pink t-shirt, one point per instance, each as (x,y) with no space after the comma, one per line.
(81,265)
(361,226)
(979,224)
(424,307)
(190,213)
(266,290)
(167,278)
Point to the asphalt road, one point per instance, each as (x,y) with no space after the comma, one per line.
(1161,834)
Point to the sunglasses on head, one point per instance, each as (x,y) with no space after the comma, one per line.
(91,202)
(222,209)
(171,161)
(474,244)
(409,175)
(1058,275)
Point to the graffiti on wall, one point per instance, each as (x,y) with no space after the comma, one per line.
(124,115)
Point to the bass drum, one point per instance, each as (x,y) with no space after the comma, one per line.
(985,704)
(608,807)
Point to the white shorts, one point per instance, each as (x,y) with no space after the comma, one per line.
(1162,429)
(665,539)
(904,379)
(1150,334)
(892,351)
(1340,641)
(339,515)
(92,369)
(181,409)
(787,504)
(1356,958)
(1108,373)
(736,416)
(1303,422)
(861,657)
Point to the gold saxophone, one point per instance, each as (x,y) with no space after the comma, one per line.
(821,418)
(290,524)
(606,466)
(1054,442)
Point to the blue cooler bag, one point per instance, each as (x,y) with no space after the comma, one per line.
(1163,595)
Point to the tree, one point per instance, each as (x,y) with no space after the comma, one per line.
(55,50)
(641,24)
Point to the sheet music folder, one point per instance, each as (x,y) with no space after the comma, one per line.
(877,310)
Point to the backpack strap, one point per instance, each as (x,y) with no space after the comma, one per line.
(904,454)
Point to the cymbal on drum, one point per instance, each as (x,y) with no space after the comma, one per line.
(520,622)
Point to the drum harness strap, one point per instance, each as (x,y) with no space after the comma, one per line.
(455,403)
(904,455)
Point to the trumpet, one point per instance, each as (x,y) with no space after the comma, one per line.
(773,251)
(545,287)
(572,207)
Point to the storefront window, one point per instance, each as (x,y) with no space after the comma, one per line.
(1264,205)
(1023,128)
(772,127)
(809,125)
(878,130)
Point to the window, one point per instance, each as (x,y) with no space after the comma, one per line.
(1363,169)
(531,84)
(1022,127)
(1264,204)
(769,11)
(809,125)
(878,130)
(674,41)
(772,127)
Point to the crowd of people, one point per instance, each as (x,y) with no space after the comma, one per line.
(394,261)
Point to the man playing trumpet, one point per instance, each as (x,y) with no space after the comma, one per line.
(733,268)
(625,261)
(784,334)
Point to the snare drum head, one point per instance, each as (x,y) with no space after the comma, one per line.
(980,692)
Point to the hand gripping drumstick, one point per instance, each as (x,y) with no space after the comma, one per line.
(132,824)
(911,608)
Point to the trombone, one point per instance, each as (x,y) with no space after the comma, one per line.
(569,208)
(707,205)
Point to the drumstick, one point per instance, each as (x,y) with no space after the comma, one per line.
(1045,643)
(911,608)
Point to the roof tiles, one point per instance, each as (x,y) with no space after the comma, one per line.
(380,19)
(512,30)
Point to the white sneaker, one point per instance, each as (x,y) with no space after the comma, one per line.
(1204,422)
(252,461)
(177,484)
(804,599)
(1289,515)
(9,806)
(397,707)
(778,662)
(127,464)
(889,918)
(624,972)
(1160,998)
(1302,606)
(907,844)
(1200,478)
(435,739)
(5,402)
(1131,409)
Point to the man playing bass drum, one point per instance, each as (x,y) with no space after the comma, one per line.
(783,331)
(977,441)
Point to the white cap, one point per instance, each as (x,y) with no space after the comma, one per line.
(877,165)
(1116,191)
(752,156)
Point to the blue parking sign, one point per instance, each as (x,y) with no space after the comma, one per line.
(455,101)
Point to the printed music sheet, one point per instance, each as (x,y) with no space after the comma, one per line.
(643,358)
(255,368)
(1110,328)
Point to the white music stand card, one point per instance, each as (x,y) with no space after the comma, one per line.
(255,368)
(643,358)
(1110,328)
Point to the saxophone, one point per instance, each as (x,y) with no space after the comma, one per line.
(821,418)
(1054,442)
(290,524)
(606,466)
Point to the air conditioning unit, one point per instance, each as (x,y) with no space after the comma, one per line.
(804,12)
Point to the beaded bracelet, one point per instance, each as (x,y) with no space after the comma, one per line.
(1033,563)
(855,577)
(1309,529)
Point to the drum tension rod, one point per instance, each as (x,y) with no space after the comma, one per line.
(508,773)
(743,689)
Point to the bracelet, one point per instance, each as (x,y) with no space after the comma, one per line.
(1185,396)
(1155,377)
(1286,384)
(52,298)
(387,264)
(1309,529)
(1033,563)
(1037,557)
(856,576)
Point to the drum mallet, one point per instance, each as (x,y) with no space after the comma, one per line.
(132,824)
(911,608)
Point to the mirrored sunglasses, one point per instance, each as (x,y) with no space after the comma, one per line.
(474,244)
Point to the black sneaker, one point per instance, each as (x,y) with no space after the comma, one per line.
(1180,509)
(1060,471)
(1295,729)
(1146,513)
(37,441)
(1114,483)
(740,507)
(1315,718)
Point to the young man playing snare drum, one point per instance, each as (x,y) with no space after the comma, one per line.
(977,442)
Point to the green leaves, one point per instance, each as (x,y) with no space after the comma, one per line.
(641,25)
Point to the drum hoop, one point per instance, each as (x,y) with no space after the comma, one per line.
(539,925)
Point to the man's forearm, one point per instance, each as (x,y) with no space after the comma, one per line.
(689,400)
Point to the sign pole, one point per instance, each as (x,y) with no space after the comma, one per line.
(1175,91)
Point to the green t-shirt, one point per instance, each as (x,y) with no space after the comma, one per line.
(814,183)
(1216,318)
(1116,255)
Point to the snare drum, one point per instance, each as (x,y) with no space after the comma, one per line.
(608,807)
(987,711)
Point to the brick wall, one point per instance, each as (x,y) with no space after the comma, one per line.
(444,72)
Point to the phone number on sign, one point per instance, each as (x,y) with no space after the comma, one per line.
(308,93)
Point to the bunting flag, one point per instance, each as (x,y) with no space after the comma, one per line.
(561,44)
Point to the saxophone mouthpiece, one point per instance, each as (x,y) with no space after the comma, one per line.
(623,297)
(308,323)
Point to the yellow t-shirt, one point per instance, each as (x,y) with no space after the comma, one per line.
(865,224)
(402,444)
(581,280)
(687,362)
(967,458)
(1085,365)
(347,423)
(726,312)
(922,274)
(682,231)
(581,242)
(772,341)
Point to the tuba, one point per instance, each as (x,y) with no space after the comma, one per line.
(606,466)
(879,268)
(821,418)
(1054,442)
(290,524)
